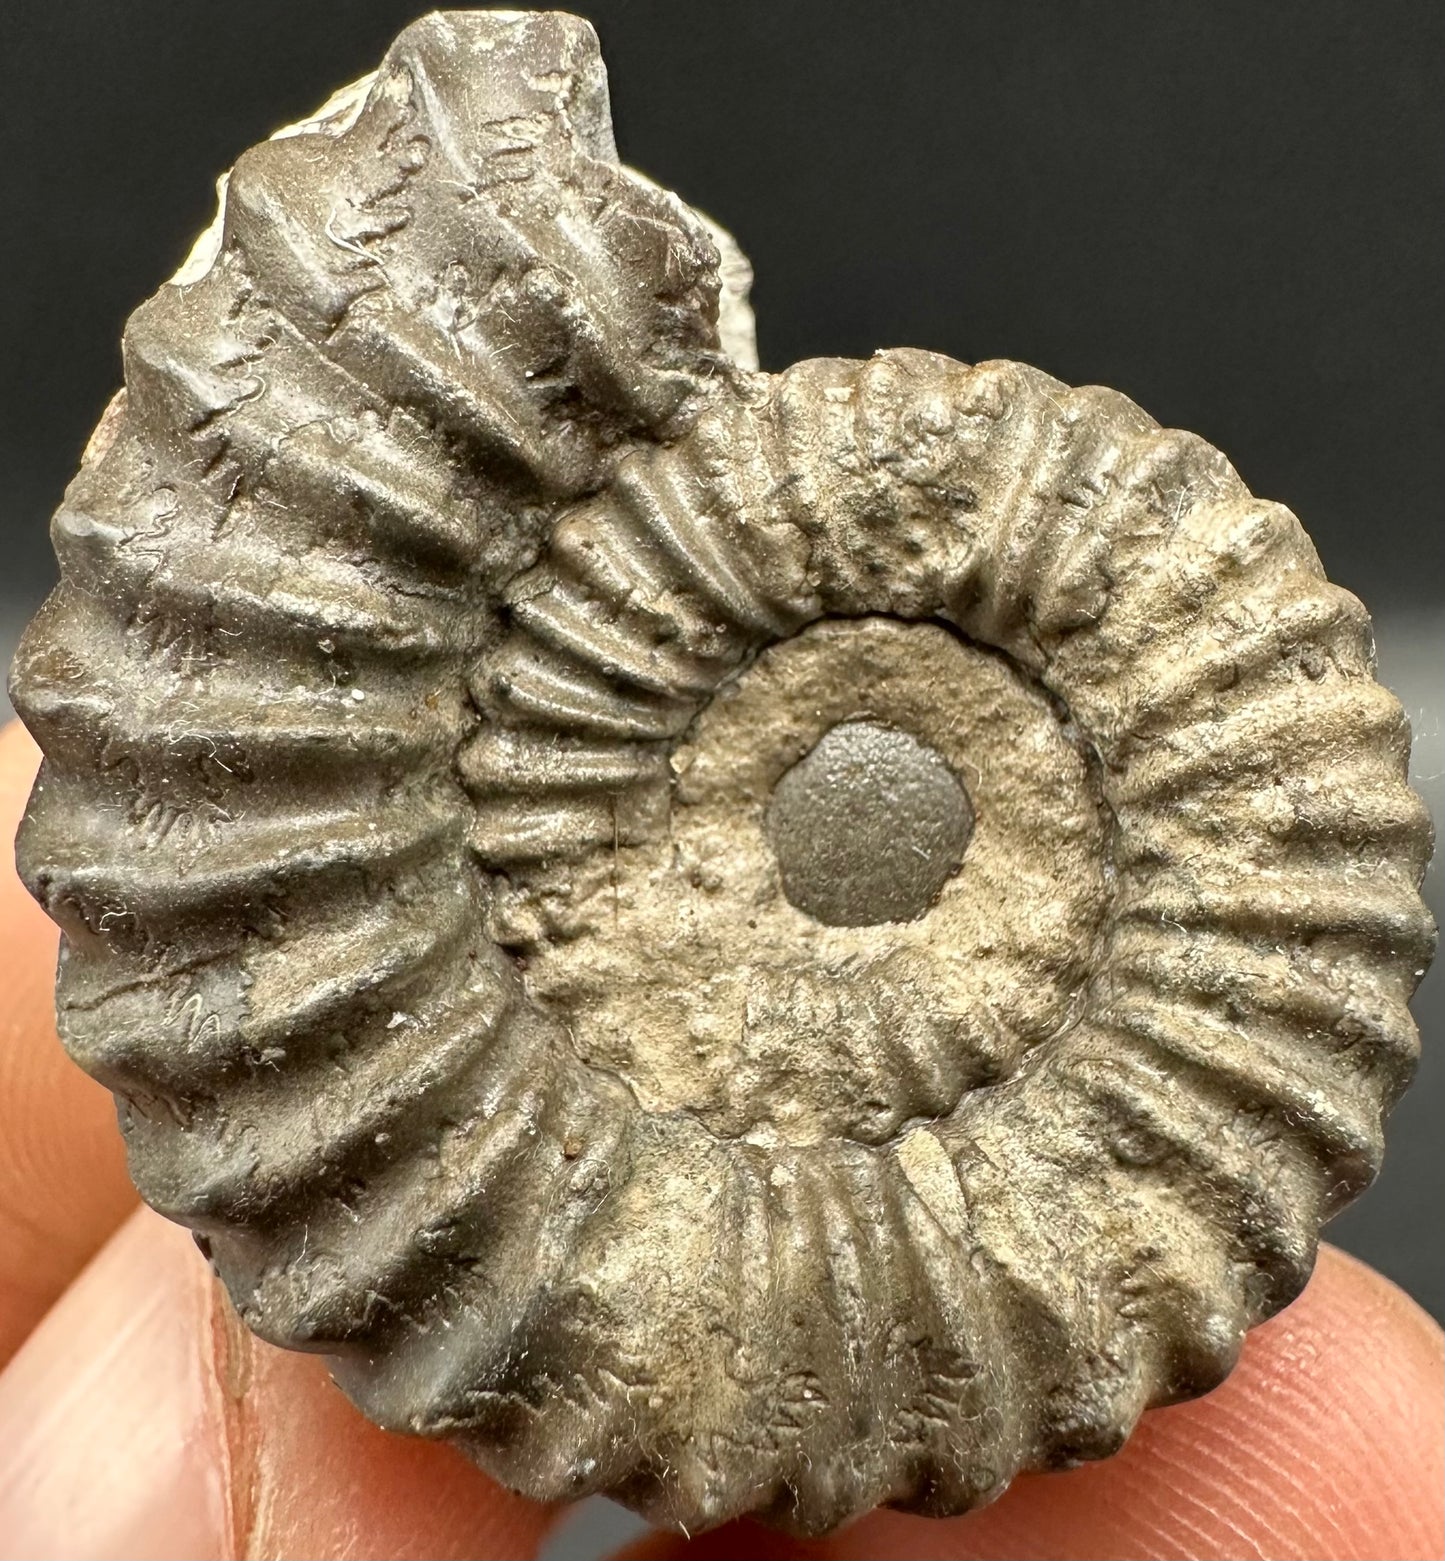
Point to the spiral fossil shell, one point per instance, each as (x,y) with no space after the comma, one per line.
(756,943)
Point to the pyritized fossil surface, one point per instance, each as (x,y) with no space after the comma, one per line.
(755,943)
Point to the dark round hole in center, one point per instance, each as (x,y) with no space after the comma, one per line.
(868,826)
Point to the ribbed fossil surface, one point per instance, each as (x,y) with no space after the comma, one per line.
(756,943)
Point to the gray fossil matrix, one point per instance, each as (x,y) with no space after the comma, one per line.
(758,943)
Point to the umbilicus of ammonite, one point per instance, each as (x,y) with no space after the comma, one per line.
(757,943)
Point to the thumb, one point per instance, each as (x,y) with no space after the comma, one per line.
(142,1420)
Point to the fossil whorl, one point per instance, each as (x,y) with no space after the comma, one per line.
(754,943)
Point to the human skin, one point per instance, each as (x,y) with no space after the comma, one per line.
(139,1419)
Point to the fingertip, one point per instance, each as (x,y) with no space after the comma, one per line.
(1325,1442)
(63,1183)
(142,1420)
(104,1418)
(19,755)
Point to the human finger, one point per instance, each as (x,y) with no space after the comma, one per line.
(142,1420)
(1325,1442)
(63,1185)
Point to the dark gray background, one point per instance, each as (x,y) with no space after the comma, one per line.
(1230,211)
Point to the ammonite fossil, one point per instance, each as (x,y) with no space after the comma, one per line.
(753,942)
